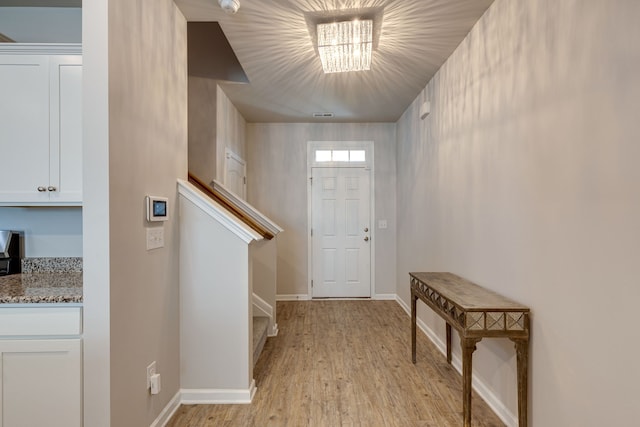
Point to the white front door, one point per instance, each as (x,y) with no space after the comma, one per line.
(340,217)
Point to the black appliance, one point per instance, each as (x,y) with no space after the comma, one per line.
(10,259)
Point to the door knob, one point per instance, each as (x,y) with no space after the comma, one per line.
(366,229)
(366,239)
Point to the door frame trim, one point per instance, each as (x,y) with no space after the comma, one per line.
(230,154)
(368,146)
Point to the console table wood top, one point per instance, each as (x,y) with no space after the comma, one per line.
(476,313)
(467,295)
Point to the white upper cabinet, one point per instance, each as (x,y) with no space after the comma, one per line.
(65,170)
(41,125)
(24,127)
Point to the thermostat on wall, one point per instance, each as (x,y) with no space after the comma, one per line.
(157,208)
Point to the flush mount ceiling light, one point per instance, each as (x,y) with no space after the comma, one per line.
(345,46)
(229,6)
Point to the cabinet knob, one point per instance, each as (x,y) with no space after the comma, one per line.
(42,189)
(51,188)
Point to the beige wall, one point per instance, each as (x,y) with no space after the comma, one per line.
(202,127)
(135,144)
(214,125)
(525,179)
(277,186)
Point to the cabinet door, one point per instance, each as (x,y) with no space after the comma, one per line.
(24,128)
(65,179)
(40,383)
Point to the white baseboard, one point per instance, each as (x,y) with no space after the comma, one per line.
(507,417)
(402,304)
(385,297)
(305,297)
(168,411)
(203,396)
(293,297)
(274,331)
(218,396)
(262,306)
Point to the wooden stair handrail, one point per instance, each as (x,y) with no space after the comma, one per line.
(229,205)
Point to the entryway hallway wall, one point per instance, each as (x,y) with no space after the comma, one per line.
(278,183)
(524,179)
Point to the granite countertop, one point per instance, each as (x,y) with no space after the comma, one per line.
(44,280)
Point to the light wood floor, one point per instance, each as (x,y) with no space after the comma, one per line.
(346,363)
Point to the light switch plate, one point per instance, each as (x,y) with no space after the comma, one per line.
(155,238)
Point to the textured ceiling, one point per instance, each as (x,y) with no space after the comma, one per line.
(272,42)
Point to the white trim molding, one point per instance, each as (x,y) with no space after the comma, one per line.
(203,397)
(248,209)
(368,146)
(229,154)
(273,331)
(218,396)
(262,306)
(217,212)
(293,297)
(385,297)
(168,411)
(266,309)
(306,297)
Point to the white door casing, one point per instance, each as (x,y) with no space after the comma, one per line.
(340,215)
(341,232)
(235,173)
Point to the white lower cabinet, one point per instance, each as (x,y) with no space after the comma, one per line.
(40,366)
(41,383)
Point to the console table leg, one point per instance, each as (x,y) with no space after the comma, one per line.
(468,347)
(448,343)
(522,352)
(414,299)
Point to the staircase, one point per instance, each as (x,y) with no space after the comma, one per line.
(260,328)
(217,362)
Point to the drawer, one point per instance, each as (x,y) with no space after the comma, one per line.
(37,321)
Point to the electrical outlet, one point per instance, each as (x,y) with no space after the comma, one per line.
(151,371)
(156,386)
(382,224)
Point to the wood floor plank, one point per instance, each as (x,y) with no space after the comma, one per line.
(346,363)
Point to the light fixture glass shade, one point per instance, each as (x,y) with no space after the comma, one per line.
(345,46)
